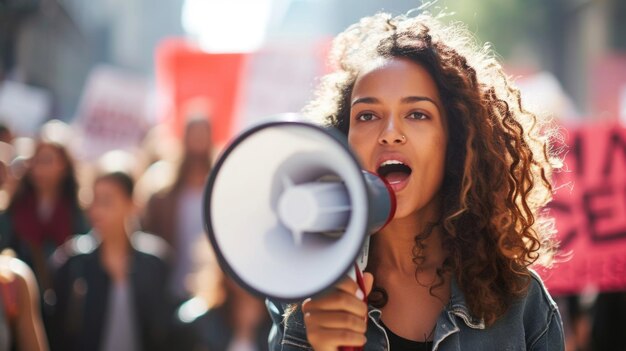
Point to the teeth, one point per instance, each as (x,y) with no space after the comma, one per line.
(391,162)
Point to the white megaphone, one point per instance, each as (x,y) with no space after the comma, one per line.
(289,210)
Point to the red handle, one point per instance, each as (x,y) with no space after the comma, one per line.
(361,283)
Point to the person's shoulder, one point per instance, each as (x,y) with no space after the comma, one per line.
(540,315)
(538,293)
(537,309)
(17,273)
(76,248)
(150,245)
(162,196)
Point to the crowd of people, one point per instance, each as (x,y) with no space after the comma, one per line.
(125,267)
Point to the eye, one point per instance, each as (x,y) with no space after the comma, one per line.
(418,116)
(364,117)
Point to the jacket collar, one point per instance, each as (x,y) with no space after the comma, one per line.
(96,240)
(458,307)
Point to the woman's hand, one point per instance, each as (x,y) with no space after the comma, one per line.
(338,318)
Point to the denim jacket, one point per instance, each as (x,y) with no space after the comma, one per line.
(532,323)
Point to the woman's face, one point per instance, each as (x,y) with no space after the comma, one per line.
(398,130)
(48,168)
(110,207)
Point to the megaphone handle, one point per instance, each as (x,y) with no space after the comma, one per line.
(361,283)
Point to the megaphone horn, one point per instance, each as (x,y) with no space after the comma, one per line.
(288,209)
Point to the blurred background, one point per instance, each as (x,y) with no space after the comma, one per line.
(156,89)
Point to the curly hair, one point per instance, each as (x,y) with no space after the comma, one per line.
(498,162)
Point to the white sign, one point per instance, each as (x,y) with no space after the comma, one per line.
(112,112)
(279,78)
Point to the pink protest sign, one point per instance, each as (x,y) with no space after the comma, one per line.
(590,211)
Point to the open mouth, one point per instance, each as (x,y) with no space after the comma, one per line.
(394,171)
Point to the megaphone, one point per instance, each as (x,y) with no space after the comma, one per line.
(288,209)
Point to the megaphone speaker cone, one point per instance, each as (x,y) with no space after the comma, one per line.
(287,209)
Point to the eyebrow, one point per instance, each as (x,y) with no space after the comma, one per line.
(404,100)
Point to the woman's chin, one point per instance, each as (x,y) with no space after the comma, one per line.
(402,211)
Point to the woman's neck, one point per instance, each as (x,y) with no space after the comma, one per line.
(47,195)
(115,248)
(115,244)
(393,247)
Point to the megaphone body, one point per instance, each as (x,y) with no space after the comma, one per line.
(289,210)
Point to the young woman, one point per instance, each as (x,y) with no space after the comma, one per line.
(44,212)
(438,118)
(109,284)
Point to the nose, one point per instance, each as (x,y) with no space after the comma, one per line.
(391,135)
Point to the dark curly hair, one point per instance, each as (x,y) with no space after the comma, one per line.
(498,161)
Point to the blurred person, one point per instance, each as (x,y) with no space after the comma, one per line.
(161,151)
(110,283)
(596,321)
(608,317)
(20,321)
(436,116)
(44,211)
(175,214)
(220,316)
(576,313)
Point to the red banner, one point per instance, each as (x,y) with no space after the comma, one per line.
(195,83)
(236,89)
(590,210)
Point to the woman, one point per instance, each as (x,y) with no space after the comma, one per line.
(173,214)
(439,120)
(44,211)
(20,320)
(109,284)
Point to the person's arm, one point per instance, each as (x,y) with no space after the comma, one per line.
(29,331)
